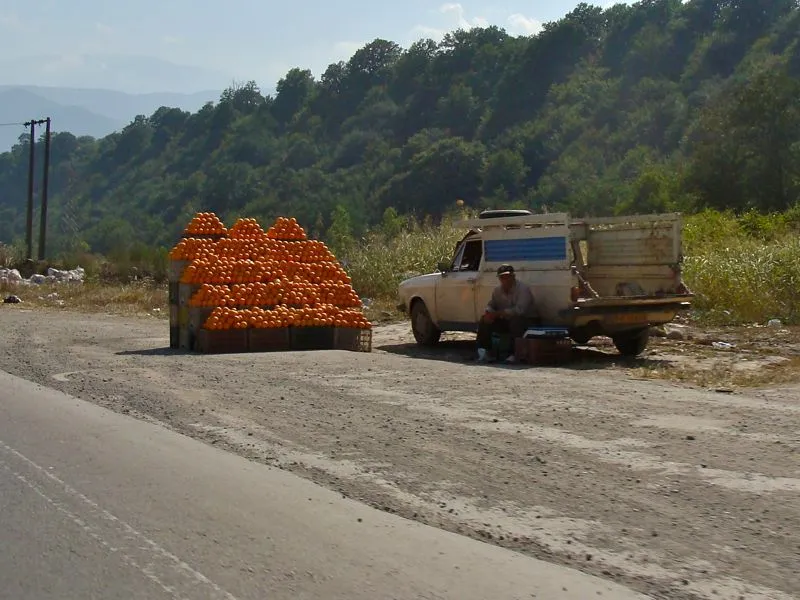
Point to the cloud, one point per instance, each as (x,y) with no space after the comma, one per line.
(103,29)
(171,40)
(456,11)
(524,25)
(455,17)
(345,50)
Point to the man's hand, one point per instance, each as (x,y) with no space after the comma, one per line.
(491,316)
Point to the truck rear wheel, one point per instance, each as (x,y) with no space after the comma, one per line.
(425,331)
(632,343)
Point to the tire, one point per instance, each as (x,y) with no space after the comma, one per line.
(425,331)
(632,343)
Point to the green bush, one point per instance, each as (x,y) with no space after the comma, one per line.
(744,269)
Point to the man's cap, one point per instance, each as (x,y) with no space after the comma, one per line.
(505,270)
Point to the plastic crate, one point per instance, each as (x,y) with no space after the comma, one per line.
(313,338)
(354,340)
(269,340)
(543,350)
(546,332)
(221,342)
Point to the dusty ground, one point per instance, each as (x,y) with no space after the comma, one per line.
(680,491)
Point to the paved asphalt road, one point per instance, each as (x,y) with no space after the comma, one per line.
(94,504)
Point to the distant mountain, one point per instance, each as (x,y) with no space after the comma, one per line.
(19,105)
(94,112)
(118,105)
(131,74)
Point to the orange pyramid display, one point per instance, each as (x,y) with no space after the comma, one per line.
(205,223)
(273,279)
(287,229)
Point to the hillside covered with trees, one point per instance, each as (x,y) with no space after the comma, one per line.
(661,105)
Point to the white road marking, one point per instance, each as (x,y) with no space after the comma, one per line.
(131,541)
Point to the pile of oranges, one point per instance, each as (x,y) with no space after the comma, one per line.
(246,229)
(324,315)
(205,223)
(286,229)
(254,278)
(273,293)
(193,248)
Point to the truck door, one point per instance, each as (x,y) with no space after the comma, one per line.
(455,291)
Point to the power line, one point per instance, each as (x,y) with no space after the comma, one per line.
(13,124)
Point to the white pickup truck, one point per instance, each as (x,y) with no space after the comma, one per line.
(613,277)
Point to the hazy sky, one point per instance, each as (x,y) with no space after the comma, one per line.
(247,39)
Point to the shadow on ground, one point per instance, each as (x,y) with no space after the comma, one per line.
(582,358)
(153,352)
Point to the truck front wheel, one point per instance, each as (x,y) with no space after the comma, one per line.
(632,343)
(425,331)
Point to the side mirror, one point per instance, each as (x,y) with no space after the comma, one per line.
(443,267)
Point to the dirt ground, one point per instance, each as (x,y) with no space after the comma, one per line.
(677,473)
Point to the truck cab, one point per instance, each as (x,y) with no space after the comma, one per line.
(613,277)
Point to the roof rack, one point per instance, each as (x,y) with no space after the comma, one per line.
(529,220)
(499,214)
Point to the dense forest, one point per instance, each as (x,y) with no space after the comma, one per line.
(662,105)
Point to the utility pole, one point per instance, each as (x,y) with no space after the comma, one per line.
(31,163)
(29,223)
(45,182)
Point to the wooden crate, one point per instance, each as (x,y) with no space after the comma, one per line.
(354,340)
(172,289)
(198,315)
(185,293)
(221,342)
(174,337)
(313,338)
(269,340)
(173,315)
(543,350)
(176,269)
(185,339)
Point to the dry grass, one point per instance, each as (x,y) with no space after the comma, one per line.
(726,375)
(123,299)
(382,312)
(380,261)
(744,269)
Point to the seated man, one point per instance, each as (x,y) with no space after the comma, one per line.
(511,310)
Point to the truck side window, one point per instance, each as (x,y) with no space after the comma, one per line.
(471,256)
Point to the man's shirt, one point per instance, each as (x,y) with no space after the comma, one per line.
(517,303)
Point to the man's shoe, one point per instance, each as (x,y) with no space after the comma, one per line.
(483,355)
(511,360)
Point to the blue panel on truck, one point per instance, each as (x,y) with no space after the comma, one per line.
(526,249)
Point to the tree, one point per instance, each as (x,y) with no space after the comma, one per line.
(642,106)
(294,91)
(744,152)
